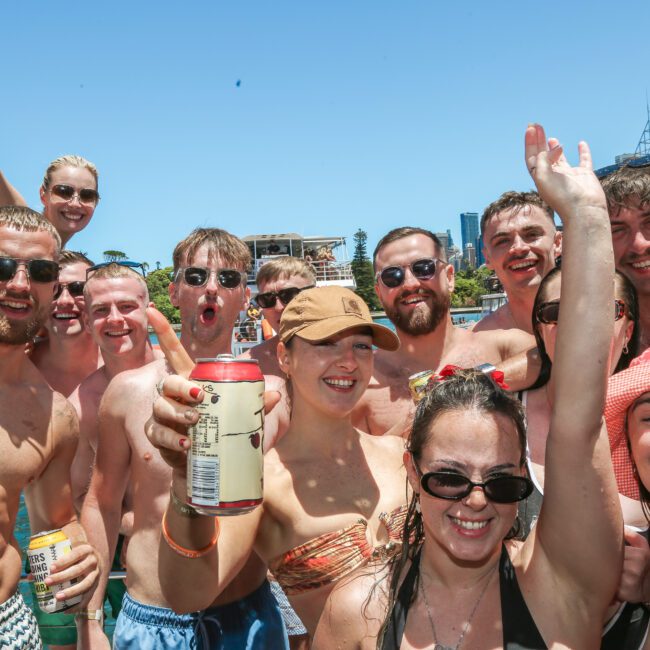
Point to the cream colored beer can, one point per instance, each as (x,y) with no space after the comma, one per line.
(45,549)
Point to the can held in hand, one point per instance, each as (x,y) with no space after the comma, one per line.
(45,549)
(418,384)
(225,461)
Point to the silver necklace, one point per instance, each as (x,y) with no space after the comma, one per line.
(439,646)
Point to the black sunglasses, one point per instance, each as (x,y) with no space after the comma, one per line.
(75,289)
(393,276)
(37,270)
(197,276)
(454,487)
(67,193)
(549,312)
(136,266)
(267,299)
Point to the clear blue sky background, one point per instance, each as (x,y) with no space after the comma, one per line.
(349,114)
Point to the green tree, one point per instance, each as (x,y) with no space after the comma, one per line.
(471,284)
(157,282)
(113,256)
(362,271)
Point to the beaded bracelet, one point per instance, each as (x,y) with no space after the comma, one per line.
(188,552)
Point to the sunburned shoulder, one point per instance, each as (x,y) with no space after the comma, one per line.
(132,385)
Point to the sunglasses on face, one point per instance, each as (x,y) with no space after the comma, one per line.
(197,276)
(136,266)
(75,289)
(67,193)
(37,270)
(549,312)
(393,276)
(267,299)
(500,489)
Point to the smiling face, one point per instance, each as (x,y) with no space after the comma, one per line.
(274,313)
(328,376)
(66,316)
(638,430)
(24,303)
(416,307)
(208,312)
(478,445)
(631,238)
(115,314)
(68,217)
(520,245)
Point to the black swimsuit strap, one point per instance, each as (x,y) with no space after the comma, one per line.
(397,619)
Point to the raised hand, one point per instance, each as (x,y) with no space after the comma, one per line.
(636,569)
(563,187)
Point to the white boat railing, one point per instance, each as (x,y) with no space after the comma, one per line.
(326,271)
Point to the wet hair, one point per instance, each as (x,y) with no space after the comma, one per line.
(231,250)
(627,186)
(407,231)
(112,271)
(66,258)
(70,161)
(623,290)
(285,267)
(18,217)
(515,201)
(466,390)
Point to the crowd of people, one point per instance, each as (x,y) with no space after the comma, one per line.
(507,509)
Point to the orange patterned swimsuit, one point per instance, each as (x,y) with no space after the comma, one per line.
(327,558)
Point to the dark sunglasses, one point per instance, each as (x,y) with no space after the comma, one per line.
(75,289)
(67,193)
(197,276)
(500,489)
(549,312)
(136,266)
(267,300)
(37,270)
(393,276)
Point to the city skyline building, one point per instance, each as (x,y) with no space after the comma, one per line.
(469,233)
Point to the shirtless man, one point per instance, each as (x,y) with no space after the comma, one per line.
(520,244)
(209,288)
(628,200)
(414,284)
(39,427)
(69,354)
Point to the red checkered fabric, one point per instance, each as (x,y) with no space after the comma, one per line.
(623,390)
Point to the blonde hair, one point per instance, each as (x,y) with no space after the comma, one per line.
(231,250)
(70,160)
(18,217)
(284,267)
(112,271)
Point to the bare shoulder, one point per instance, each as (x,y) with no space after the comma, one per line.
(65,423)
(129,388)
(388,446)
(354,611)
(496,320)
(387,366)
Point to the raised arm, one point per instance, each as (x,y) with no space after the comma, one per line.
(9,195)
(579,533)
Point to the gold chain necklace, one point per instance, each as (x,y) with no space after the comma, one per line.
(439,646)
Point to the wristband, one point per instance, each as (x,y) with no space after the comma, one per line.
(182,508)
(191,554)
(486,368)
(91,615)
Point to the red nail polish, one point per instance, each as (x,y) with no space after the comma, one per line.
(194,392)
(181,443)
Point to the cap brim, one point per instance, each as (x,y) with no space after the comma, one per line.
(382,337)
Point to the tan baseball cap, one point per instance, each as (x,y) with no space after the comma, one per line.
(321,312)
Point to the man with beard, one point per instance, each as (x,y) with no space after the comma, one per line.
(521,244)
(628,199)
(209,288)
(39,428)
(69,354)
(414,283)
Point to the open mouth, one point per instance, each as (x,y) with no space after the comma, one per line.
(413,299)
(642,266)
(118,334)
(65,316)
(340,384)
(15,307)
(73,216)
(469,527)
(208,315)
(522,266)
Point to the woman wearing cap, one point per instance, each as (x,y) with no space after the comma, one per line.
(334,498)
(462,583)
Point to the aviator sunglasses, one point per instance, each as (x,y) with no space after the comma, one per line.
(67,193)
(136,266)
(75,289)
(393,276)
(37,270)
(267,299)
(454,487)
(548,312)
(197,276)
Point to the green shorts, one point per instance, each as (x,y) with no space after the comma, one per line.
(60,628)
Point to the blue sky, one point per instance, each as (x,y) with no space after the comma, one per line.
(349,114)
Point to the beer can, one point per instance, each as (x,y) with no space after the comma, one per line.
(418,384)
(44,549)
(225,461)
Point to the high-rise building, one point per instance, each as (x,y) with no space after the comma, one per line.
(470,256)
(469,228)
(444,240)
(480,258)
(450,238)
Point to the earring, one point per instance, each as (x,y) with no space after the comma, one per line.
(625,348)
(417,504)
